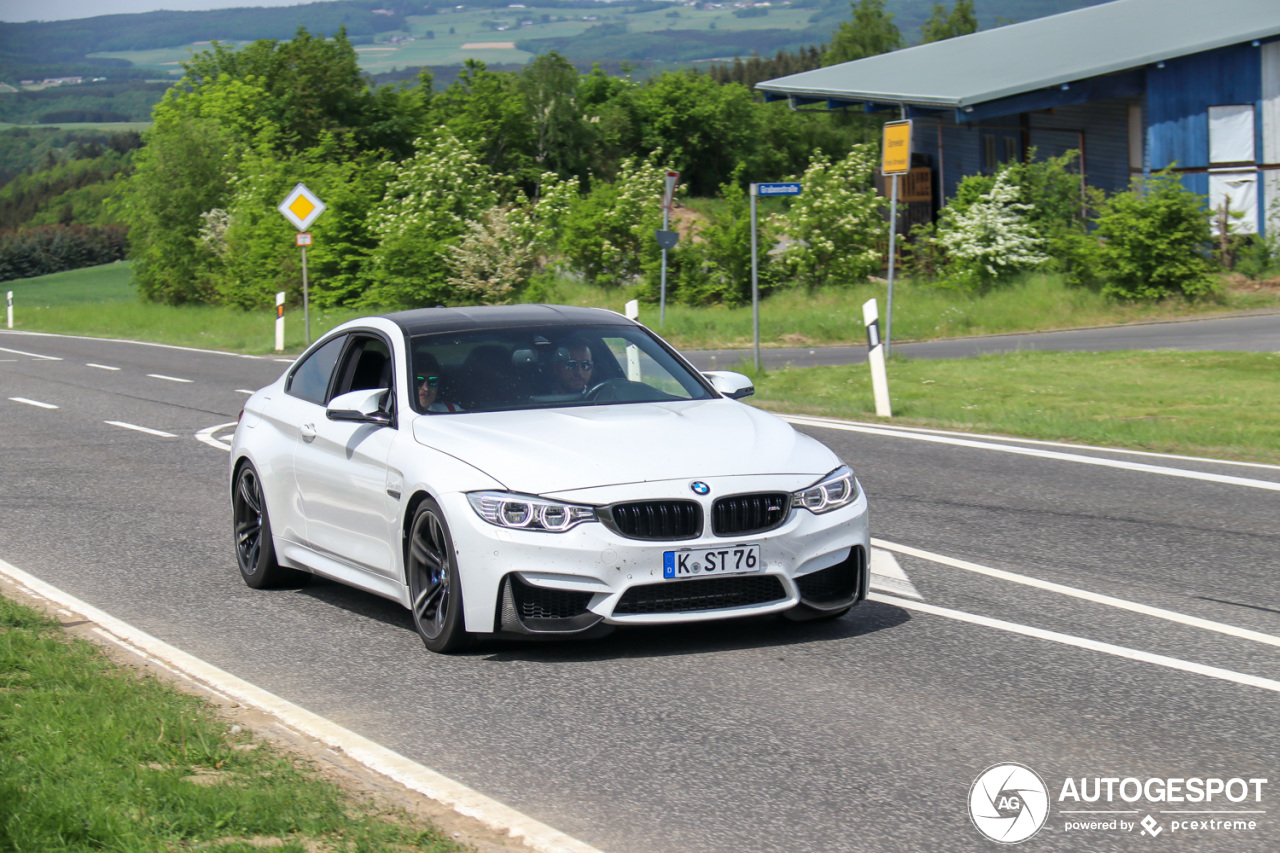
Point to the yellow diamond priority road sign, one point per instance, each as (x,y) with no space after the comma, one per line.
(301,207)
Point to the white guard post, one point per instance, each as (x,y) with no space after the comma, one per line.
(633,353)
(280,321)
(875,358)
(10,309)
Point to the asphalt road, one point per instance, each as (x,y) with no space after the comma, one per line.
(1134,633)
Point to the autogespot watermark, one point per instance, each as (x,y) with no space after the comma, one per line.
(1010,803)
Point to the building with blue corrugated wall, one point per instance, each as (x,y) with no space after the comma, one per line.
(1136,86)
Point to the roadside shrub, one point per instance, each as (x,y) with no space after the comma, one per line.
(492,264)
(1155,243)
(608,234)
(835,230)
(991,238)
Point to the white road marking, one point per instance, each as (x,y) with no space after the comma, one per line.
(1044,454)
(1083,643)
(1097,598)
(33,402)
(31,354)
(243,391)
(1068,445)
(465,801)
(168,378)
(888,576)
(207,436)
(101,366)
(137,428)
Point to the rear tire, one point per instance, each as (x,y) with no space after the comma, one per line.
(255,549)
(435,590)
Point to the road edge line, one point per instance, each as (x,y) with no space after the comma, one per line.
(400,769)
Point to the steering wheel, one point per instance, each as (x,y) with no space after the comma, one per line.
(603,392)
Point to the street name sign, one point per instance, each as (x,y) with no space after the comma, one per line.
(789,188)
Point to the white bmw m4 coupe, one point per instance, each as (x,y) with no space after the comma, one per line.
(538,470)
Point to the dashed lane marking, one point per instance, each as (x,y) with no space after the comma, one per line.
(101,366)
(137,428)
(168,378)
(33,402)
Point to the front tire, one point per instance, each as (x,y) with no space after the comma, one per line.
(255,550)
(435,590)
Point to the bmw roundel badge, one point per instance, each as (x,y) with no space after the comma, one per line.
(700,488)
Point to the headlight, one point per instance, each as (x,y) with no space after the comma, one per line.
(833,491)
(522,512)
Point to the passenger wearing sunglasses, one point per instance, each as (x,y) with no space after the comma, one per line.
(571,368)
(428,381)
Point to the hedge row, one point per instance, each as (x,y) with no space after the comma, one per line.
(27,252)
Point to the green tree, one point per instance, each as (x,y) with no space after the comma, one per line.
(705,129)
(431,201)
(961,21)
(607,235)
(870,32)
(485,110)
(561,138)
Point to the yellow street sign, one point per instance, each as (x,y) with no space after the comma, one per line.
(301,207)
(897,148)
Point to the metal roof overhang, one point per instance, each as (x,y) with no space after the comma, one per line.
(1091,52)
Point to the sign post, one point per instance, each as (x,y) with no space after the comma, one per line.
(896,161)
(10,309)
(667,240)
(788,188)
(301,207)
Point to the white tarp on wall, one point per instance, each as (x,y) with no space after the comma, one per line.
(1271,133)
(1231,132)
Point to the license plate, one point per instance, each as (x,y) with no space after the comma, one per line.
(735,560)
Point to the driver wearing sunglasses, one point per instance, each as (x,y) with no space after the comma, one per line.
(572,367)
(427,381)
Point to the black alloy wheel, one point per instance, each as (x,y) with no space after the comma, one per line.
(434,587)
(255,551)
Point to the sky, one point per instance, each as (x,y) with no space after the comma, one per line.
(63,10)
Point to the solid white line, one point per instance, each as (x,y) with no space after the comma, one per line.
(127,341)
(888,576)
(168,378)
(141,429)
(1068,445)
(1046,454)
(460,798)
(33,402)
(207,436)
(31,354)
(101,366)
(1097,598)
(1082,643)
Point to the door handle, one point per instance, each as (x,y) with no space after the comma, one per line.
(308,432)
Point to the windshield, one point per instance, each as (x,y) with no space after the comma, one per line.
(546,367)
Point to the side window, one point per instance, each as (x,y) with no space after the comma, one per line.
(367,365)
(310,379)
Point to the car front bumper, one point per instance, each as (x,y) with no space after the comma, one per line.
(531,582)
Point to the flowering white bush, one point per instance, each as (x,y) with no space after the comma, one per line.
(494,261)
(608,233)
(992,237)
(431,200)
(835,230)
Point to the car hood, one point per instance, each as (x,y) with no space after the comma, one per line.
(546,451)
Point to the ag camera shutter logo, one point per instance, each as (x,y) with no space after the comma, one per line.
(1008,803)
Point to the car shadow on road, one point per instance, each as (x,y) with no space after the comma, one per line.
(750,632)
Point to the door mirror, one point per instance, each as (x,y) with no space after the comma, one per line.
(733,385)
(363,407)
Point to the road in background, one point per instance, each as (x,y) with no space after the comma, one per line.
(1087,613)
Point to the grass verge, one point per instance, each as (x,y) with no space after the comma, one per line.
(96,756)
(1224,405)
